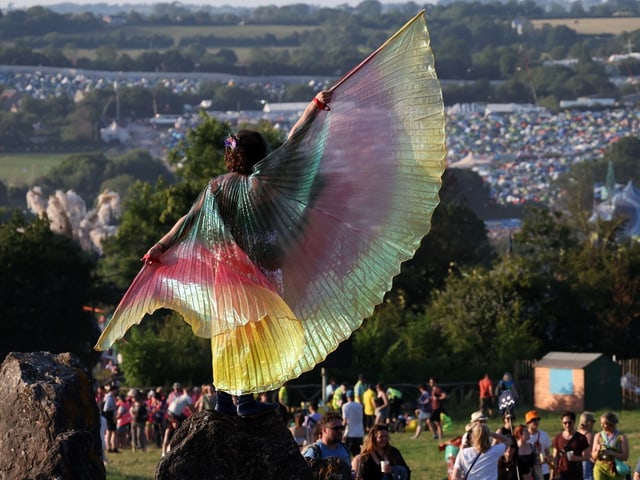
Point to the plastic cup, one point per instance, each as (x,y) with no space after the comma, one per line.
(385,467)
(570,455)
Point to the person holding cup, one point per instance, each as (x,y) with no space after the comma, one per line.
(570,449)
(378,460)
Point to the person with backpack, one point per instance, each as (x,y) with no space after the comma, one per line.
(328,453)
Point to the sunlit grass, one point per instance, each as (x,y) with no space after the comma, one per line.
(422,455)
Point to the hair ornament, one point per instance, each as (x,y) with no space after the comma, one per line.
(231,142)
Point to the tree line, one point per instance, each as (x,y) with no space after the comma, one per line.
(472,41)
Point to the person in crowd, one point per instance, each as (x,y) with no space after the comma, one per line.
(570,449)
(139,416)
(395,404)
(507,427)
(171,428)
(379,457)
(328,392)
(109,411)
(179,407)
(353,415)
(298,430)
(508,464)
(382,404)
(359,388)
(123,421)
(480,460)
(339,397)
(608,446)
(585,427)
(329,444)
(311,420)
(437,409)
(207,400)
(542,443)
(526,452)
(176,391)
(157,412)
(485,388)
(423,410)
(368,403)
(476,418)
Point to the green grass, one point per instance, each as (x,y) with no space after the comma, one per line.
(422,455)
(23,168)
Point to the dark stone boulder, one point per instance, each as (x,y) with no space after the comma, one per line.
(50,424)
(213,446)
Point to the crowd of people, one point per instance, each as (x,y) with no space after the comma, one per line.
(527,452)
(137,419)
(352,427)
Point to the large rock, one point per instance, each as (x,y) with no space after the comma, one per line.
(212,446)
(50,424)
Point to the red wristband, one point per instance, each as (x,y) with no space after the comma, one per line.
(320,105)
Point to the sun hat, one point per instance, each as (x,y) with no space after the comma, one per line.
(479,416)
(530,416)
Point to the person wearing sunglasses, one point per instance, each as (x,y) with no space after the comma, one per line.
(570,449)
(330,429)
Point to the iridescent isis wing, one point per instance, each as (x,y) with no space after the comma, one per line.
(352,193)
(278,268)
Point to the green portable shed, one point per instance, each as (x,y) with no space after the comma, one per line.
(577,382)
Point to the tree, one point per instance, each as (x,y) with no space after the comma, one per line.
(46,282)
(484,321)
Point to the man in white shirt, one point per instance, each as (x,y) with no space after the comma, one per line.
(179,404)
(353,415)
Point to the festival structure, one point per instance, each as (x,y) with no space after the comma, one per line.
(339,207)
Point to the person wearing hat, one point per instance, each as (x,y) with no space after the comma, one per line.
(476,418)
(542,442)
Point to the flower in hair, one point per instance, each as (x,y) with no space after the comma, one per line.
(231,142)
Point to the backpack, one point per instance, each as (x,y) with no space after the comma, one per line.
(329,468)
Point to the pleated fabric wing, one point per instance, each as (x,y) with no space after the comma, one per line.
(281,266)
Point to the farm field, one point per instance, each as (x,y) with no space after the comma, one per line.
(22,168)
(593,26)
(422,455)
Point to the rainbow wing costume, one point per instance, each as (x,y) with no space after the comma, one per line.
(279,267)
